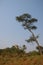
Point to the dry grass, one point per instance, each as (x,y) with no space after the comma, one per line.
(32,60)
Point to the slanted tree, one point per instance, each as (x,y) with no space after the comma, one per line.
(28,23)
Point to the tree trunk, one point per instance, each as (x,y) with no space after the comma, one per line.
(36,42)
(39,47)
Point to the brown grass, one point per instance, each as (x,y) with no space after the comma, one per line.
(32,60)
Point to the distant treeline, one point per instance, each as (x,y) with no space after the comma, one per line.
(19,51)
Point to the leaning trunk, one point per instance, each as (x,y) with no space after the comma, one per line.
(39,47)
(36,42)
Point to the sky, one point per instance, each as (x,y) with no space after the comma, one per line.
(12,32)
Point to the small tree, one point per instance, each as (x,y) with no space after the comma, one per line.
(28,23)
(24,47)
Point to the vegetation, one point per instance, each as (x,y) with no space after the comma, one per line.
(28,23)
(17,56)
(40,48)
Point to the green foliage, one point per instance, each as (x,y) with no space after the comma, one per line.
(27,21)
(32,39)
(23,17)
(1,51)
(33,53)
(13,50)
(41,47)
(24,47)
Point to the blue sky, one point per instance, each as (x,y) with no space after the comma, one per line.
(11,32)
